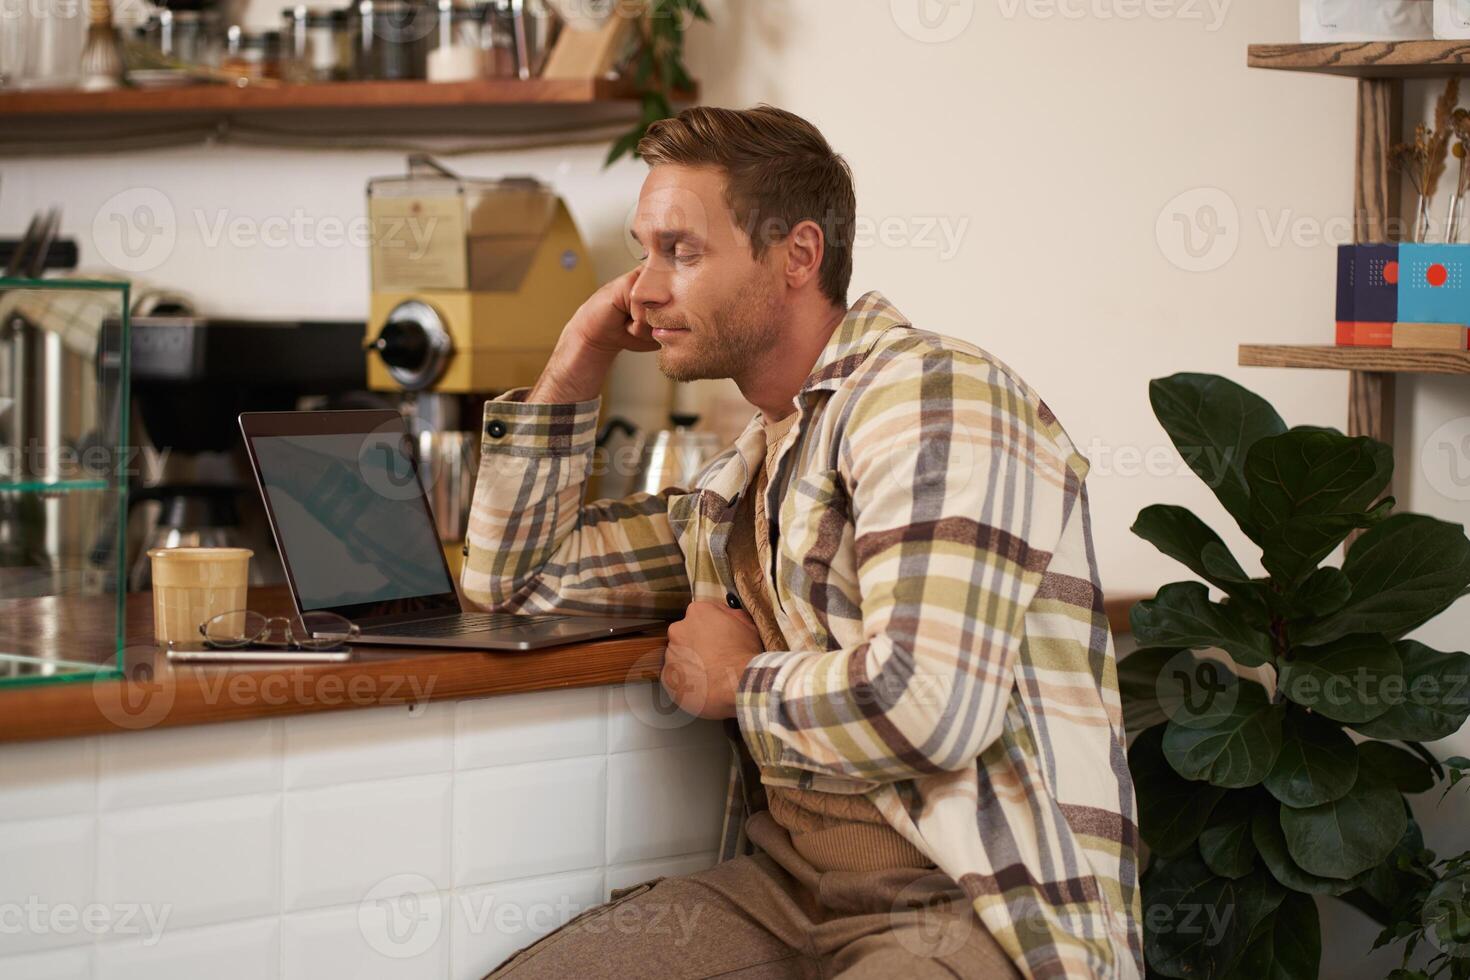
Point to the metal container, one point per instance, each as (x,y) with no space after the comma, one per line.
(671,457)
(448,462)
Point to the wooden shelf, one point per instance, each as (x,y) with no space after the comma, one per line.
(350,96)
(1379,359)
(1367,59)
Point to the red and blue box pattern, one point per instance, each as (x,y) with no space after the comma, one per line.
(1387,289)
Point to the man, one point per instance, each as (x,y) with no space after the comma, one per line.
(887,583)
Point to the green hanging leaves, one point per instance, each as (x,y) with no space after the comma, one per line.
(1235,751)
(1309,487)
(1255,806)
(1287,944)
(1352,679)
(1404,571)
(1318,762)
(1197,923)
(1350,835)
(1171,809)
(1225,844)
(1433,700)
(1182,615)
(1213,422)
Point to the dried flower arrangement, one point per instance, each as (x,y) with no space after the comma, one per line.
(1423,161)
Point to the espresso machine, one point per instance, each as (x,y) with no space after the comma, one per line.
(472,282)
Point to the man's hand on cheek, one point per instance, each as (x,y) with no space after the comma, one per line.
(707,652)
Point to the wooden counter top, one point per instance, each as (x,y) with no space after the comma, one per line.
(156,694)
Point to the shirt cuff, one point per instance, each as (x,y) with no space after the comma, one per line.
(518,428)
(757,704)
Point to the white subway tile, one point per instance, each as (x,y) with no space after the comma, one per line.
(63,964)
(491,923)
(49,778)
(205,862)
(520,728)
(520,821)
(342,840)
(247,950)
(640,716)
(198,762)
(624,875)
(663,802)
(393,936)
(46,871)
(369,743)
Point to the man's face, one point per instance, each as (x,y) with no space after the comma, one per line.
(715,309)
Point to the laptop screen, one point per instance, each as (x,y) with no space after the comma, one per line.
(351,521)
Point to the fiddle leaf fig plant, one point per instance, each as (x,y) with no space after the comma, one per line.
(1267,707)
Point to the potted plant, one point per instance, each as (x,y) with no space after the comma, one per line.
(1280,726)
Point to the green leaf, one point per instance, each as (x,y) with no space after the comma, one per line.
(1225,843)
(1317,764)
(1293,549)
(1176,532)
(1434,700)
(1213,422)
(1351,834)
(1390,885)
(1138,683)
(1308,473)
(1237,750)
(1270,841)
(1198,924)
(1172,810)
(1287,945)
(1182,615)
(1405,770)
(1404,571)
(1325,591)
(1352,679)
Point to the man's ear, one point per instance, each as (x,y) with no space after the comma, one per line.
(805,247)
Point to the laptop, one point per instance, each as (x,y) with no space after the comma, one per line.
(352,523)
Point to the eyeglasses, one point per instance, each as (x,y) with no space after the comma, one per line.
(309,631)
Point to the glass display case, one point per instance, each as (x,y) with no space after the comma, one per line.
(64,462)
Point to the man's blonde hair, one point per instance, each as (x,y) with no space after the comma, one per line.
(779,170)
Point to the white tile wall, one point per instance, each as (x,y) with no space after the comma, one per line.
(48,778)
(205,862)
(236,951)
(410,943)
(516,821)
(662,802)
(343,840)
(45,880)
(377,743)
(362,843)
(153,768)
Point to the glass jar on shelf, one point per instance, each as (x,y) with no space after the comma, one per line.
(392,38)
(252,54)
(455,53)
(316,40)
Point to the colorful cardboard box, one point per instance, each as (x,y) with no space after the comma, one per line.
(1367,283)
(1396,295)
(1434,284)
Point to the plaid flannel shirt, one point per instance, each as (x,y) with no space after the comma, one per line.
(935,575)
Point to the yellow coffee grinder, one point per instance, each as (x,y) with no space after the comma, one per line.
(472,282)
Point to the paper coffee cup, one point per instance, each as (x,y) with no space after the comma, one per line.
(192,585)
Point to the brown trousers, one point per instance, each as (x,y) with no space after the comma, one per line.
(772,916)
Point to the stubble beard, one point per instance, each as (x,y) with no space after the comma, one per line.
(735,339)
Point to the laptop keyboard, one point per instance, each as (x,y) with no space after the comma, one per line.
(462,624)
